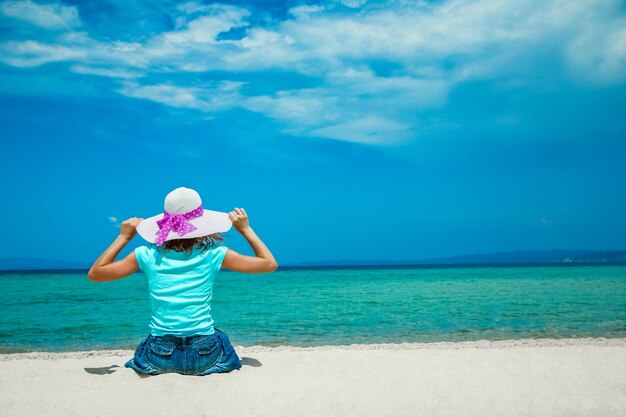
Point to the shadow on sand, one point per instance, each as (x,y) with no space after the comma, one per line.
(245,361)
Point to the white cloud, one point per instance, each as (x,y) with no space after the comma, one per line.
(26,54)
(455,40)
(302,108)
(324,112)
(420,92)
(192,7)
(302,12)
(114,221)
(377,67)
(370,129)
(217,97)
(311,112)
(105,72)
(48,16)
(264,49)
(598,54)
(353,3)
(205,29)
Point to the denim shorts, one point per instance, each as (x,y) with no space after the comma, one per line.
(187,355)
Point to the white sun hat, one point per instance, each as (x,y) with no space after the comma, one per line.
(183,217)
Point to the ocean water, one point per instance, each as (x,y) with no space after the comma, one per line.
(64,311)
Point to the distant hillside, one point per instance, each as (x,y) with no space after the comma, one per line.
(558,256)
(535,256)
(498,258)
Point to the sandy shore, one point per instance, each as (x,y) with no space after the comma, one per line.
(565,377)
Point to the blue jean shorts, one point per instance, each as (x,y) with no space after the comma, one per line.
(187,355)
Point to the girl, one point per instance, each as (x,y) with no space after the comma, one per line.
(181,263)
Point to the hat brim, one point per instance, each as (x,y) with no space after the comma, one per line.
(210,222)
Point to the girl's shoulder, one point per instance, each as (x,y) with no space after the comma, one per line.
(143,254)
(212,251)
(212,256)
(216,254)
(149,252)
(147,249)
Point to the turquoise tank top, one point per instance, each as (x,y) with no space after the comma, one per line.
(181,288)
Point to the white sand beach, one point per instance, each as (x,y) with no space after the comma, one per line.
(531,377)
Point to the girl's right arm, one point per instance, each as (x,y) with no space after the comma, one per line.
(263,261)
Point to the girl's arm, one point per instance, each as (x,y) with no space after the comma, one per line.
(263,261)
(105,268)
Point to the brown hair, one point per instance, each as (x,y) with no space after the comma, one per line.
(187,245)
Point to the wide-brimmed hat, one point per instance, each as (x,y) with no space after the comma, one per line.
(183,217)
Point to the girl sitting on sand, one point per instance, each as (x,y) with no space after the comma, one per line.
(181,263)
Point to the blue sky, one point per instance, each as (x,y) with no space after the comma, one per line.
(347,129)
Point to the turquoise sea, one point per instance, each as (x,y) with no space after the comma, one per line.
(64,311)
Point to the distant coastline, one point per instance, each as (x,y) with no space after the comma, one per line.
(558,257)
(514,258)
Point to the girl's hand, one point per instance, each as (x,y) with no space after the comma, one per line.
(239,219)
(128,228)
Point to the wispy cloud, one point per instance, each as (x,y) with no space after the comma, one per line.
(372,130)
(379,65)
(598,53)
(25,54)
(106,72)
(114,221)
(222,95)
(48,16)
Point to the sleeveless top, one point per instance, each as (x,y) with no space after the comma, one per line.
(181,288)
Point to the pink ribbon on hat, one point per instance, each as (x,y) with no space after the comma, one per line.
(178,223)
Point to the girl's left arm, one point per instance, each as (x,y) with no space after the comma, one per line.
(105,268)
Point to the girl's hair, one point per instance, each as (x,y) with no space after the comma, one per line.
(187,245)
